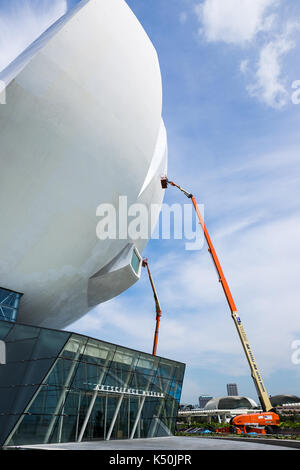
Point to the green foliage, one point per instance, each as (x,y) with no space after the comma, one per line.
(203,424)
(292,421)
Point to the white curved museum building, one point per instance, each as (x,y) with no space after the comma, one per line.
(82,126)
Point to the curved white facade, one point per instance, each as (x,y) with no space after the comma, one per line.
(82,126)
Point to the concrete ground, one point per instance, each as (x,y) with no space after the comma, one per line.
(160,443)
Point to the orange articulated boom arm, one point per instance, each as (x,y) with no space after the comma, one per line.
(213,253)
(260,388)
(157,307)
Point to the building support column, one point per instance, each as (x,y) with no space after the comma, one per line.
(63,395)
(111,427)
(87,416)
(77,419)
(137,418)
(93,399)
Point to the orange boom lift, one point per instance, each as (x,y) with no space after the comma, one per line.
(257,422)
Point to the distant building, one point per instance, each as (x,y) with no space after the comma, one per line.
(203,399)
(279,400)
(288,409)
(232,390)
(231,403)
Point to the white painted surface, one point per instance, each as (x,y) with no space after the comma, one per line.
(80,128)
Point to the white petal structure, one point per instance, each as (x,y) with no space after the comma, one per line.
(81,127)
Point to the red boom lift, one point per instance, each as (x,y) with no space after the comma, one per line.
(145,264)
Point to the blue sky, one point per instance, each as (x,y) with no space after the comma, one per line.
(233,134)
(233,137)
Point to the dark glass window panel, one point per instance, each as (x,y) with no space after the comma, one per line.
(31,430)
(170,390)
(120,430)
(7,423)
(146,365)
(117,377)
(62,373)
(20,332)
(177,391)
(46,401)
(36,371)
(74,347)
(92,374)
(81,379)
(50,343)
(162,429)
(84,400)
(151,407)
(140,382)
(158,385)
(97,422)
(14,400)
(98,353)
(24,396)
(165,369)
(20,350)
(11,374)
(87,376)
(124,359)
(8,397)
(66,428)
(112,379)
(179,372)
(5,327)
(169,407)
(70,406)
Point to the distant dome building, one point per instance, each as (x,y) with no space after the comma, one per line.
(230,403)
(279,400)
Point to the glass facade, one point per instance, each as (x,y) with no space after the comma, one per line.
(9,304)
(64,387)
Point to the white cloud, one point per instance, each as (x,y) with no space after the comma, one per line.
(244,66)
(270,83)
(183,17)
(239,22)
(23,21)
(232,21)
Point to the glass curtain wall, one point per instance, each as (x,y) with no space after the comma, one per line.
(97,390)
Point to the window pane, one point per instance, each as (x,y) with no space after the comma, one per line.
(9,304)
(135,262)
